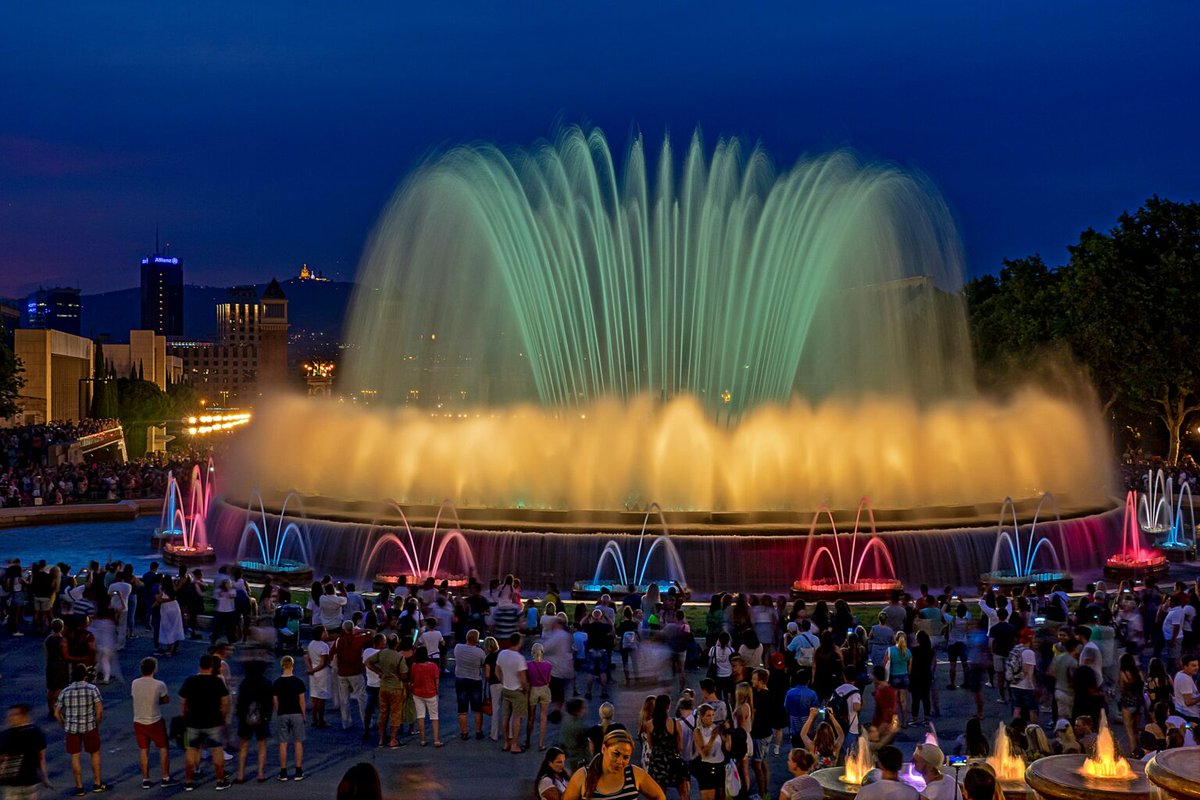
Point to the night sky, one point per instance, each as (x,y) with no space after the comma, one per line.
(263,135)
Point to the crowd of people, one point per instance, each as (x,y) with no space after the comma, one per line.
(759,679)
(35,470)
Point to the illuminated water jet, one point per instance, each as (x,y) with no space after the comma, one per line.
(417,565)
(845,578)
(183,534)
(1134,562)
(1023,552)
(635,580)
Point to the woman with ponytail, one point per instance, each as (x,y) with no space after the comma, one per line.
(611,776)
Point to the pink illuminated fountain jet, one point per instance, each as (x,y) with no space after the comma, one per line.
(415,566)
(846,577)
(1133,561)
(183,531)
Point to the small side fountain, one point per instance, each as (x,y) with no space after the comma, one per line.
(272,543)
(1133,562)
(1008,766)
(845,782)
(635,581)
(1160,515)
(1176,772)
(185,533)
(847,579)
(1023,552)
(416,568)
(1078,777)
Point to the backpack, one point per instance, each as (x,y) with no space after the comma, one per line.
(1014,666)
(629,640)
(804,654)
(839,704)
(254,714)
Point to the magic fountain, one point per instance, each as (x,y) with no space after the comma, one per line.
(846,578)
(552,340)
(845,781)
(183,530)
(1160,515)
(1008,766)
(272,543)
(635,580)
(418,565)
(1134,561)
(1023,552)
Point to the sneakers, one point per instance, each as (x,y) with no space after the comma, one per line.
(100,787)
(299,776)
(146,783)
(189,786)
(223,784)
(167,783)
(283,775)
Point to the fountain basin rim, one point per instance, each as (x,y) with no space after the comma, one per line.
(749,523)
(1165,770)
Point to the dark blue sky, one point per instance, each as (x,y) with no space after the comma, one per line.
(262,135)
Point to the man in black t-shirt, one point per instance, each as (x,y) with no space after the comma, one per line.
(761,728)
(290,714)
(205,702)
(22,754)
(599,644)
(41,584)
(1001,636)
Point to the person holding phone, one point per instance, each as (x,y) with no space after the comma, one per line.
(826,744)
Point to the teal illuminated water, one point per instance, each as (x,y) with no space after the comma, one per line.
(543,328)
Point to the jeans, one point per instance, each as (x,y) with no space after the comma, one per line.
(372,705)
(352,686)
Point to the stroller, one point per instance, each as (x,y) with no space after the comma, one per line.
(287,628)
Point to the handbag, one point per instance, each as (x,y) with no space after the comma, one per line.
(487,704)
(733,780)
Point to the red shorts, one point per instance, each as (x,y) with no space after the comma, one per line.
(87,741)
(155,733)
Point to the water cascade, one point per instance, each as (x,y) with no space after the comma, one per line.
(846,578)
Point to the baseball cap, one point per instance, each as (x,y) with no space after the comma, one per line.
(931,754)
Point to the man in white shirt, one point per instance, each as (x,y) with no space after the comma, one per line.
(927,762)
(372,683)
(888,787)
(330,607)
(149,694)
(514,695)
(1023,692)
(1172,631)
(849,693)
(1186,695)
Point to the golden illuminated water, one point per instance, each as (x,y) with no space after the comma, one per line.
(858,765)
(1107,763)
(1008,767)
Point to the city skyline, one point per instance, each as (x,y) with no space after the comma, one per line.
(259,139)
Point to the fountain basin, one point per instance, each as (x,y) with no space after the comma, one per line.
(1176,772)
(1176,551)
(181,555)
(1044,580)
(161,536)
(591,590)
(858,590)
(287,572)
(833,785)
(1130,567)
(1060,778)
(383,581)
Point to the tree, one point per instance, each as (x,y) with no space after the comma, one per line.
(11,381)
(141,405)
(1130,296)
(1015,314)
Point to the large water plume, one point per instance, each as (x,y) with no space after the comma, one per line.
(539,330)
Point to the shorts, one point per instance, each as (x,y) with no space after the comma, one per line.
(150,733)
(515,699)
(260,732)
(469,694)
(204,738)
(558,689)
(973,680)
(957,651)
(899,682)
(426,705)
(599,661)
(709,775)
(42,603)
(998,665)
(539,695)
(88,741)
(762,749)
(289,728)
(1023,699)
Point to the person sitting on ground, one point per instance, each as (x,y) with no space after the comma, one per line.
(888,787)
(980,783)
(802,786)
(927,762)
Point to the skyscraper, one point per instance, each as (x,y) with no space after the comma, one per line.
(162,295)
(56,309)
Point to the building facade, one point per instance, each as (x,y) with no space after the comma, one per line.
(57,309)
(58,372)
(250,353)
(148,351)
(162,295)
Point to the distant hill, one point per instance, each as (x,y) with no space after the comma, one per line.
(315,308)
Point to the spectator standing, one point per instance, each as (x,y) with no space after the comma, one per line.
(290,716)
(514,693)
(317,658)
(347,652)
(468,683)
(389,664)
(371,683)
(149,695)
(204,701)
(58,664)
(255,705)
(425,674)
(80,711)
(22,755)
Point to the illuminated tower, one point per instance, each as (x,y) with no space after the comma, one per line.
(273,337)
(162,295)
